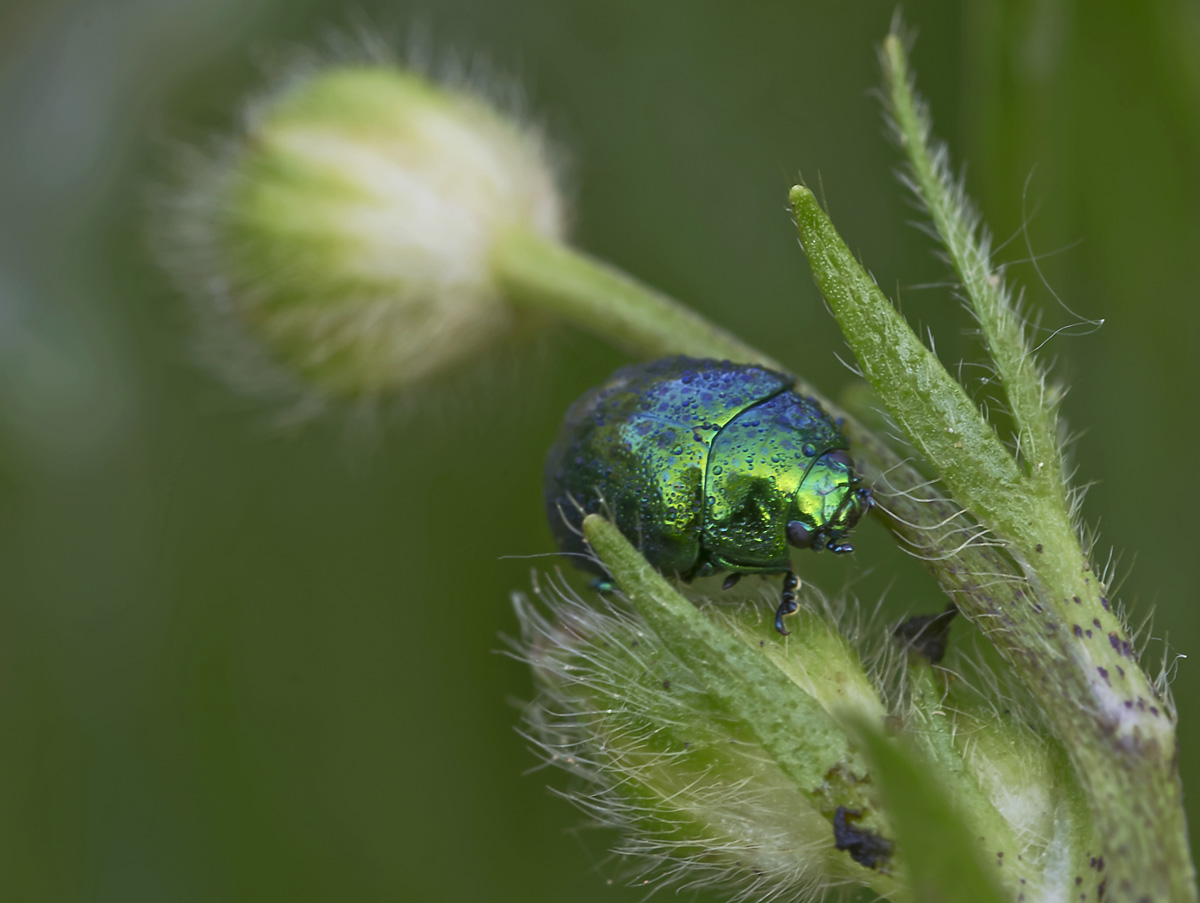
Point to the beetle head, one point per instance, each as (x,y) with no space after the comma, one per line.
(830,501)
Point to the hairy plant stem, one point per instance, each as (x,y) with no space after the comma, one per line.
(1130,750)
(1032,402)
(1057,630)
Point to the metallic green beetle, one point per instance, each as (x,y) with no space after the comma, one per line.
(706,466)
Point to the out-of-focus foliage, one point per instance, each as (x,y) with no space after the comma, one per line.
(241,664)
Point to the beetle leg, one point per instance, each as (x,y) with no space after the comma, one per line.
(787,603)
(731,581)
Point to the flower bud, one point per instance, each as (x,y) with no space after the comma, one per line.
(777,766)
(659,756)
(1014,789)
(349,228)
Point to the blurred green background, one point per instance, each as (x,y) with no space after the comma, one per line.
(238,663)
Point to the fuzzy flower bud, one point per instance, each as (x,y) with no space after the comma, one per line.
(350,227)
(780,767)
(698,796)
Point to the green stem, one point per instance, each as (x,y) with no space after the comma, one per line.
(545,275)
(1127,747)
(1056,628)
(1032,405)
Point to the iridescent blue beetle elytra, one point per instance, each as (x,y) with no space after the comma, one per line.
(707,466)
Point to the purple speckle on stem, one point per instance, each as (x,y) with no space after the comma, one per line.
(1120,645)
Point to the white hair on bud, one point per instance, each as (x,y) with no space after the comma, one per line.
(395,214)
(698,802)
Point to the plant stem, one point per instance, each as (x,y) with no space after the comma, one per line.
(542,274)
(1032,405)
(1056,630)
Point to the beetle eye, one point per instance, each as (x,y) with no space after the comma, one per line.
(799,535)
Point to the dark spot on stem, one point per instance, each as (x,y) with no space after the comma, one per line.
(865,846)
(927,635)
(1120,645)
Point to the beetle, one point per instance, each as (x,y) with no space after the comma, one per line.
(707,466)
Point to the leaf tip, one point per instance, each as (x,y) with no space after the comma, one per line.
(797,195)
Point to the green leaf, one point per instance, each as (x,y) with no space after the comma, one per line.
(1032,402)
(805,740)
(925,400)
